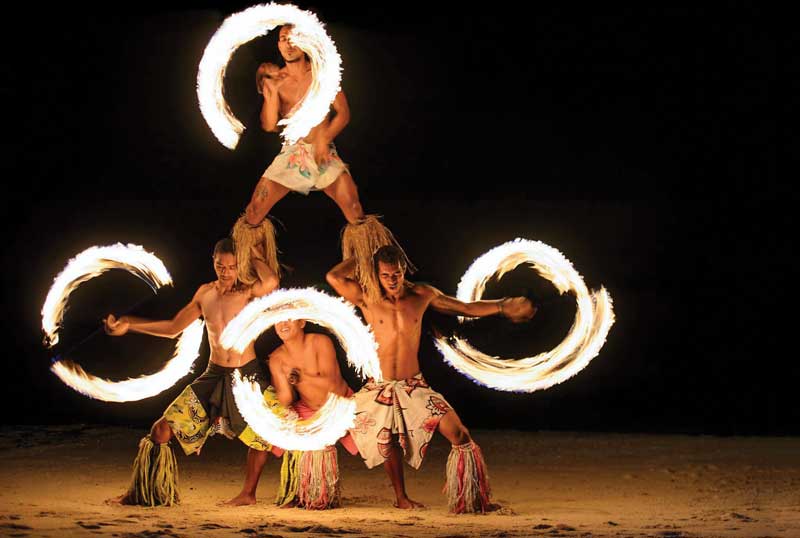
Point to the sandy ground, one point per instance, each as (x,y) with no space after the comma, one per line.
(53,482)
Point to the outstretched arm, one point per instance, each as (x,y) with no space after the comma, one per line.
(517,309)
(167,328)
(268,281)
(342,278)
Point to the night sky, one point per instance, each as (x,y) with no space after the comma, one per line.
(642,144)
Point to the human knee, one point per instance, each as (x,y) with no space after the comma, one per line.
(255,212)
(160,432)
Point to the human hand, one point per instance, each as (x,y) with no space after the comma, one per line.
(294,377)
(517,309)
(322,152)
(269,78)
(114,326)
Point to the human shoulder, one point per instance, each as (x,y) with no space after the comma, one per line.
(204,290)
(320,341)
(423,290)
(277,355)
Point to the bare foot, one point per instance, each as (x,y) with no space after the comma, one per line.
(291,504)
(407,504)
(243,499)
(123,499)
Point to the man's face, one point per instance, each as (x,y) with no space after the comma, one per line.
(289,52)
(391,277)
(225,267)
(289,329)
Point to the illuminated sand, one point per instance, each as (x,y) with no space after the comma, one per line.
(53,482)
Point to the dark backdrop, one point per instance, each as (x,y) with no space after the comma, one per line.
(641,144)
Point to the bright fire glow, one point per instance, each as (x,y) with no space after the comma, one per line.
(282,427)
(311,305)
(308,34)
(93,262)
(593,320)
(338,414)
(131,390)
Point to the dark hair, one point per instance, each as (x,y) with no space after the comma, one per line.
(389,254)
(224,246)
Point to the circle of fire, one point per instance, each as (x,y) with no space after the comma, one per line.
(593,320)
(307,33)
(93,262)
(330,422)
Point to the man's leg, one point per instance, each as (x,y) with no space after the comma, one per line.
(161,432)
(154,455)
(255,463)
(266,194)
(394,468)
(467,483)
(453,430)
(345,194)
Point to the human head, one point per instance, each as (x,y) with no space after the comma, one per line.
(289,329)
(390,267)
(289,52)
(225,262)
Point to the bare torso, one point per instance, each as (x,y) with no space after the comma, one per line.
(397,326)
(291,92)
(314,382)
(218,310)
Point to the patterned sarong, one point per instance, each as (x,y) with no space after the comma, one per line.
(295,168)
(208,398)
(408,408)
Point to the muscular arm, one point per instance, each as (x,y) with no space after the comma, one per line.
(283,390)
(268,281)
(167,328)
(342,278)
(516,309)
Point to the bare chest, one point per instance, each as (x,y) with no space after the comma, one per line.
(401,317)
(306,363)
(292,92)
(218,310)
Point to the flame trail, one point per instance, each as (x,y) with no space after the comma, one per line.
(338,414)
(282,427)
(130,390)
(593,320)
(308,34)
(93,262)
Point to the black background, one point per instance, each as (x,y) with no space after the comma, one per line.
(642,144)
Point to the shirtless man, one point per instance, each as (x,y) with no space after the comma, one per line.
(397,418)
(304,371)
(206,406)
(312,163)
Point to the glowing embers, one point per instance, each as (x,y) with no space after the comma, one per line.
(277,425)
(308,34)
(587,335)
(139,388)
(93,262)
